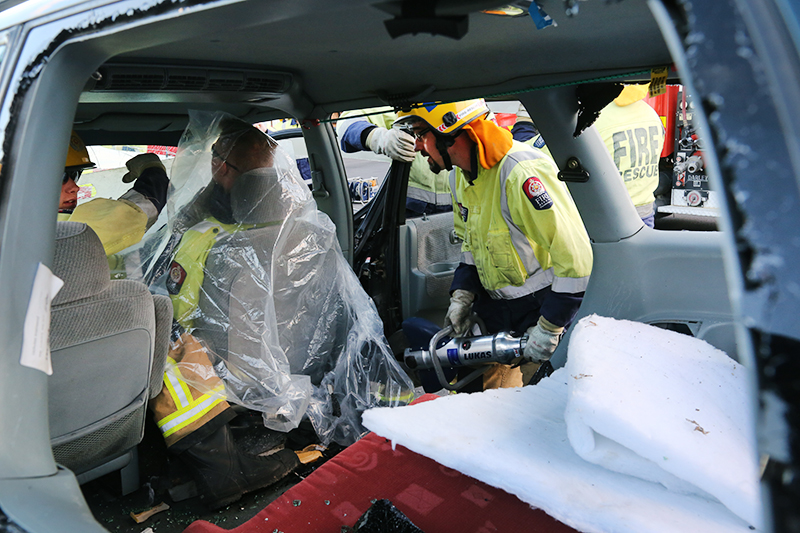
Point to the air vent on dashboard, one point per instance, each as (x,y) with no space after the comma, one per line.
(225,81)
(139,81)
(184,82)
(261,84)
(129,78)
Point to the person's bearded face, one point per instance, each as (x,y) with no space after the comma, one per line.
(425,143)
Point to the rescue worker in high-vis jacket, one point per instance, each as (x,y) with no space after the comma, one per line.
(427,192)
(634,136)
(119,223)
(194,422)
(526,257)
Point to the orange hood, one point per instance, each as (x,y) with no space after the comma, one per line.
(493,141)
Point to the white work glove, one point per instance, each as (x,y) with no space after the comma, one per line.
(459,311)
(395,143)
(542,341)
(139,164)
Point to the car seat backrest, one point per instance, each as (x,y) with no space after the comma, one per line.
(80,258)
(102,341)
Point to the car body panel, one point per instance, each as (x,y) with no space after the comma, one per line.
(328,57)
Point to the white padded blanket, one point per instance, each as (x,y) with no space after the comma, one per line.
(644,430)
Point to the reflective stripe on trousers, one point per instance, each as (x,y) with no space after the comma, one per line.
(187,410)
(442,198)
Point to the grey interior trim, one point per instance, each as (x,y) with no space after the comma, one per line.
(604,204)
(425,281)
(333,199)
(25,449)
(118,463)
(629,282)
(135,78)
(59,495)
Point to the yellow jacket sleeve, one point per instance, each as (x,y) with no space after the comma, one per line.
(118,223)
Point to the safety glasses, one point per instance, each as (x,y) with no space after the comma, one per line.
(216,155)
(71,175)
(419,134)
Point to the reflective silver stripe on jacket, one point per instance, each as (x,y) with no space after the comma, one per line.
(466,257)
(143,203)
(431,197)
(646,210)
(452,178)
(204,226)
(570,285)
(537,278)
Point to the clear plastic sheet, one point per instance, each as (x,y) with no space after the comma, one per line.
(287,326)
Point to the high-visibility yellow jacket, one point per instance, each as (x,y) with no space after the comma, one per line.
(634,136)
(118,223)
(192,394)
(521,228)
(187,270)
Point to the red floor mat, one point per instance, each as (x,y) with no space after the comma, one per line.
(437,499)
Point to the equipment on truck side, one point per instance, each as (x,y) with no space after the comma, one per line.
(683,186)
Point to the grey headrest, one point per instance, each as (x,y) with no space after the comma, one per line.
(257,197)
(80,261)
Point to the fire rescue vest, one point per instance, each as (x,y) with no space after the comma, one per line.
(520,226)
(634,136)
(181,407)
(192,393)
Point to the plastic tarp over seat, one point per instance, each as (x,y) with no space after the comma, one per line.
(286,323)
(309,328)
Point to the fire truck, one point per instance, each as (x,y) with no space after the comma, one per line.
(683,185)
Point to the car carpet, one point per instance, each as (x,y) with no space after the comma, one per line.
(433,497)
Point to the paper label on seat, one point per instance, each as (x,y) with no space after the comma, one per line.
(36,330)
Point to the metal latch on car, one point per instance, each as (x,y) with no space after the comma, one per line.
(574,171)
(454,238)
(318,185)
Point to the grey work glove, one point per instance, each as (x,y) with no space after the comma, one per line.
(459,311)
(542,341)
(139,164)
(395,143)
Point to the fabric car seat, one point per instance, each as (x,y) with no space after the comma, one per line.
(109,342)
(243,279)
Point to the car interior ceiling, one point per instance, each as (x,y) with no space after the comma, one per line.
(362,66)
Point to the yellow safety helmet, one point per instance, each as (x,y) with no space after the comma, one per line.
(77,154)
(446,119)
(631,94)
